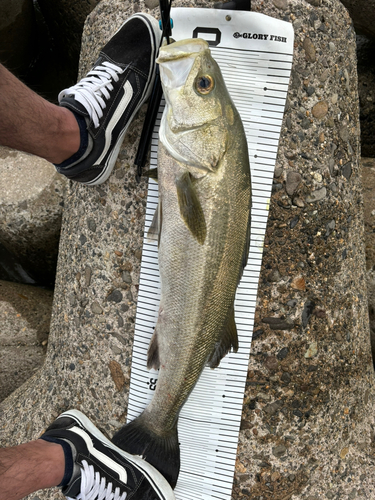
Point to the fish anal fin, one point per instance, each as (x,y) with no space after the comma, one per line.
(190,207)
(153,360)
(229,340)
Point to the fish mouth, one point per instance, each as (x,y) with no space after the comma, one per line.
(176,60)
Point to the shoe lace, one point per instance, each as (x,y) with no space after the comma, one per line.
(92,90)
(94,487)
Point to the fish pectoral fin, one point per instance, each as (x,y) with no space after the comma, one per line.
(190,207)
(153,360)
(228,340)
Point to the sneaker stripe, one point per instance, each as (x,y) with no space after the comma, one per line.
(111,464)
(126,98)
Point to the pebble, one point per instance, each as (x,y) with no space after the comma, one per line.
(272,408)
(293,180)
(95,308)
(320,109)
(298,202)
(279,451)
(91,225)
(257,333)
(278,323)
(317,176)
(282,354)
(312,350)
(309,49)
(126,277)
(151,4)
(117,374)
(298,283)
(294,222)
(88,274)
(344,452)
(347,170)
(330,226)
(317,195)
(307,312)
(280,4)
(344,133)
(274,276)
(115,296)
(292,303)
(286,378)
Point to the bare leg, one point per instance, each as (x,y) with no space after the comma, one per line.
(30,467)
(30,123)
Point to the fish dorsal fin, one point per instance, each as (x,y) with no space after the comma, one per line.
(190,207)
(228,340)
(153,360)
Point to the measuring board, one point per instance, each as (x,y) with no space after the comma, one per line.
(255,55)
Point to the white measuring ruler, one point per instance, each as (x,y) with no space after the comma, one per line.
(255,55)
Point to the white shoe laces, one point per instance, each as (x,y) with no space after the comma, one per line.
(94,487)
(92,90)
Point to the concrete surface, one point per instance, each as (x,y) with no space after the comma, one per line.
(308,420)
(31,205)
(25,315)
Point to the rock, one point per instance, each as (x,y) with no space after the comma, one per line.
(25,315)
(312,350)
(278,323)
(30,212)
(312,434)
(293,180)
(320,109)
(279,451)
(280,4)
(309,49)
(317,195)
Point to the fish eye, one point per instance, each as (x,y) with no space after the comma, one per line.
(204,84)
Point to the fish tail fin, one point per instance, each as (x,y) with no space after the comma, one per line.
(162,452)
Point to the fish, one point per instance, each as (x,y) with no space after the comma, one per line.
(202,225)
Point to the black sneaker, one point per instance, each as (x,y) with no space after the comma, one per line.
(110,95)
(102,471)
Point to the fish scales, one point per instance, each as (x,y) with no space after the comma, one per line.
(203,223)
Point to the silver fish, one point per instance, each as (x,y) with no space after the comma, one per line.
(203,227)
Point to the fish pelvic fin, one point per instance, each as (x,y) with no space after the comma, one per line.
(229,340)
(152,174)
(153,360)
(161,451)
(190,208)
(153,230)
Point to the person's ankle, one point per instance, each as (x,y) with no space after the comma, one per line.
(69,137)
(55,462)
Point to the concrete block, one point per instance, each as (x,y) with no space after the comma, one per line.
(31,203)
(25,315)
